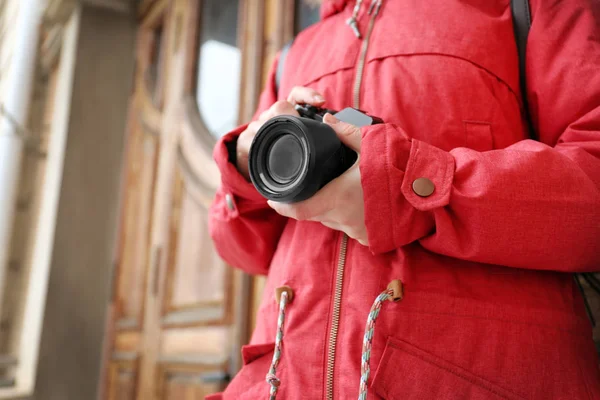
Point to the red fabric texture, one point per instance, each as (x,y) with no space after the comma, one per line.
(490,308)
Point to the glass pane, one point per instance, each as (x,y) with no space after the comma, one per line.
(218,78)
(154,68)
(307,13)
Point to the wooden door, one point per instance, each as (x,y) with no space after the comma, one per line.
(178,314)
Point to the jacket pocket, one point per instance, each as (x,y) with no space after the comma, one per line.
(407,372)
(250,383)
(253,351)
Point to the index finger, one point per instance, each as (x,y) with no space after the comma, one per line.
(305,95)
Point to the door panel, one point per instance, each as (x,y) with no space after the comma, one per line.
(123,380)
(188,382)
(198,281)
(127,342)
(175,330)
(207,341)
(133,265)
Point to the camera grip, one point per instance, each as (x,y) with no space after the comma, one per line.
(339,162)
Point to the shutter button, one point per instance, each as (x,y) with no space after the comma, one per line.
(423,187)
(229,201)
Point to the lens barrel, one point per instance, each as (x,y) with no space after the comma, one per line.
(291,158)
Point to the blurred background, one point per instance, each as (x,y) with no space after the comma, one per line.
(109,284)
(110,287)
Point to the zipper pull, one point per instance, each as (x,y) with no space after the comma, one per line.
(351,22)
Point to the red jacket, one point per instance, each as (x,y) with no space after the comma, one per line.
(490,309)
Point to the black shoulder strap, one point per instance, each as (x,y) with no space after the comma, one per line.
(281,64)
(522,23)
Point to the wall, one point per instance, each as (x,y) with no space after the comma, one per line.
(71,346)
(9,10)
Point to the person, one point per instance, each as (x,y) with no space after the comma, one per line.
(477,227)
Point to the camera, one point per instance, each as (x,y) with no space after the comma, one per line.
(291,157)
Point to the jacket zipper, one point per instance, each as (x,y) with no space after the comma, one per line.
(335,318)
(361,64)
(339,278)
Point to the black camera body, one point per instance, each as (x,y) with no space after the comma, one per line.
(291,157)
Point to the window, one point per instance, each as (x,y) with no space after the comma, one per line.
(155,77)
(307,13)
(219,66)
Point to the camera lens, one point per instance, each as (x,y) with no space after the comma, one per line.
(291,158)
(285,158)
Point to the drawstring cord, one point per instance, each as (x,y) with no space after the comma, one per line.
(394,292)
(352,22)
(375,5)
(284,295)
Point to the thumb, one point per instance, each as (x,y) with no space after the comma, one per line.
(349,134)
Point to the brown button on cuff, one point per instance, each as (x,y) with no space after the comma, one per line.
(423,187)
(229,201)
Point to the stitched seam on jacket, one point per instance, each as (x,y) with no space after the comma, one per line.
(409,176)
(484,384)
(444,188)
(448,178)
(387,174)
(515,94)
(312,81)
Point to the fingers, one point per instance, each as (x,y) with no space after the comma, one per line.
(307,210)
(296,211)
(349,134)
(298,95)
(332,225)
(246,137)
(360,235)
(305,95)
(243,147)
(282,107)
(254,126)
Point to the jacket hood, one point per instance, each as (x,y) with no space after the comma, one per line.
(332,7)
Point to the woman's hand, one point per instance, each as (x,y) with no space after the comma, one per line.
(298,95)
(339,205)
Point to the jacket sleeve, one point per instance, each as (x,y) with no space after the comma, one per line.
(535,204)
(244,229)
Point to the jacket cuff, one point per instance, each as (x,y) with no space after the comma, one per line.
(232,182)
(434,165)
(390,163)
